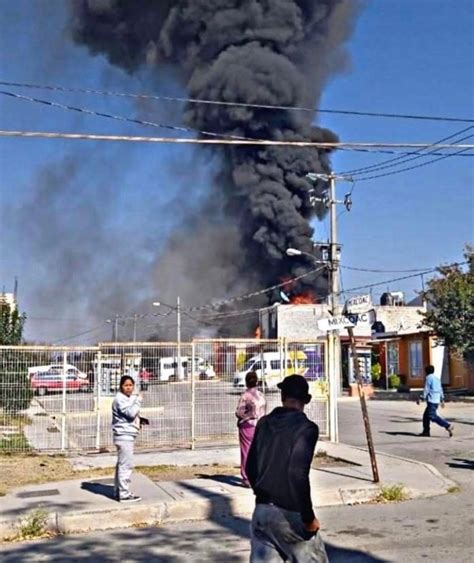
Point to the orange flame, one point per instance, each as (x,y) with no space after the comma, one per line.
(303,299)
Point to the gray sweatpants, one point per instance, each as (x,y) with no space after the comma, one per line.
(124,468)
(279,535)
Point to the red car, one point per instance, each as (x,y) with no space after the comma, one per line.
(51,381)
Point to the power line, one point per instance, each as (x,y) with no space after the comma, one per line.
(240,104)
(243,142)
(117,117)
(384,271)
(401,158)
(421,165)
(142,122)
(95,329)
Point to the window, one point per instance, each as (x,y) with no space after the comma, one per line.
(256,366)
(415,352)
(275,364)
(392,358)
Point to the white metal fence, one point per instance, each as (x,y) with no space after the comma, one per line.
(59,398)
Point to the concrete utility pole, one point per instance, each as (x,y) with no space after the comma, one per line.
(178,337)
(334,340)
(334,344)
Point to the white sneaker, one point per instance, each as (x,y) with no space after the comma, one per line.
(131,498)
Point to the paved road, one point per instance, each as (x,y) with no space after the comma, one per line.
(171,422)
(435,530)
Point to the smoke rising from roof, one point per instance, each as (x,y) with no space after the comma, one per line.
(277,52)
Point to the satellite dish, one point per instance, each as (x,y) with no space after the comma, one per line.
(284,297)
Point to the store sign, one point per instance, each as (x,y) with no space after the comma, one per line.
(358,304)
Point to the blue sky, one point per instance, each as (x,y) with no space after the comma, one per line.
(407,57)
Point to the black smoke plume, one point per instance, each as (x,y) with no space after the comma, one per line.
(273,52)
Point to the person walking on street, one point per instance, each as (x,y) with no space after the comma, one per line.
(434,396)
(251,407)
(284,526)
(125,427)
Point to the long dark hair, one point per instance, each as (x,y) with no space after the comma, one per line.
(124,379)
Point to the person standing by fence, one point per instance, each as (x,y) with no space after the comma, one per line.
(125,427)
(251,407)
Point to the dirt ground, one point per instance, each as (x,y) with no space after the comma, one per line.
(20,470)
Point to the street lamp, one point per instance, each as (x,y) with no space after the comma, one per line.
(297,252)
(293,252)
(178,331)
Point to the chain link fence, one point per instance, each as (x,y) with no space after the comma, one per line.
(58,399)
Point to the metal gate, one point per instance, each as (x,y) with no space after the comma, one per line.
(59,398)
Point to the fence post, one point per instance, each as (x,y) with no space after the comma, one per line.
(98,389)
(193,396)
(282,363)
(63,410)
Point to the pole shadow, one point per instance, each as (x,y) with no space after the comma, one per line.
(463,463)
(400,433)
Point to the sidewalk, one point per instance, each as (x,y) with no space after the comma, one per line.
(84,504)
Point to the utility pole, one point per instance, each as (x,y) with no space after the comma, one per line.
(334,344)
(178,337)
(135,327)
(334,340)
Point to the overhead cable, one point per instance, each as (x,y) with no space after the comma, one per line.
(240,104)
(421,165)
(147,123)
(391,162)
(242,142)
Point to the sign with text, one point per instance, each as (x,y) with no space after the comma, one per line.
(334,323)
(358,304)
(342,322)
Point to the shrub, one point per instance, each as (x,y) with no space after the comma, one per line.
(392,493)
(15,387)
(393,381)
(376,372)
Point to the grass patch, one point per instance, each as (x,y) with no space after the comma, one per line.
(12,438)
(454,489)
(391,493)
(18,470)
(33,526)
(14,443)
(178,473)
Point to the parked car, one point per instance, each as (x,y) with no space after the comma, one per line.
(51,381)
(57,368)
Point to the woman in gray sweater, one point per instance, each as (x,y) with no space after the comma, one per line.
(125,427)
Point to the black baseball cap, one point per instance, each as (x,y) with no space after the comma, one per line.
(295,387)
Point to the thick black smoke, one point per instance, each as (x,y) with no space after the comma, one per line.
(275,52)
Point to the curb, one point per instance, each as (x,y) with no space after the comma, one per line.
(149,514)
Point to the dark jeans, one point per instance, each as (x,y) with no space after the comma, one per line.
(430,416)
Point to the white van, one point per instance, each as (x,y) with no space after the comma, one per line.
(168,369)
(270,368)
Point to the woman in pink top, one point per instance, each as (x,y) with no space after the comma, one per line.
(251,408)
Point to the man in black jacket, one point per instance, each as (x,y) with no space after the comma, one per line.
(284,526)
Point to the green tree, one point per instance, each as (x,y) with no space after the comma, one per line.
(450,298)
(15,388)
(11,324)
